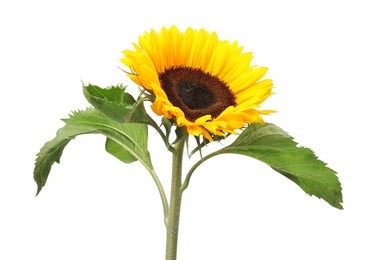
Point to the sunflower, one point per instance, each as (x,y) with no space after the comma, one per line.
(205,84)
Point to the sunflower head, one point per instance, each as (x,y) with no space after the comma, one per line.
(206,85)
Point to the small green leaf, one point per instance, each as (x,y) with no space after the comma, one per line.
(270,144)
(129,137)
(116,104)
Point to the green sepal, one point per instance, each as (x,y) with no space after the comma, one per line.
(273,146)
(167,124)
(180,133)
(204,142)
(198,147)
(128,137)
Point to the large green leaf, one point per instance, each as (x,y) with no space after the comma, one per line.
(116,104)
(270,144)
(130,137)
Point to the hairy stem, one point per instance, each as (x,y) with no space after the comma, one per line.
(175,201)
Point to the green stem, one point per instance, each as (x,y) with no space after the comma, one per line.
(162,193)
(175,201)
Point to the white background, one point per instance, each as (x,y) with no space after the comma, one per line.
(322,57)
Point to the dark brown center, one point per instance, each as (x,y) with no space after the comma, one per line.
(195,92)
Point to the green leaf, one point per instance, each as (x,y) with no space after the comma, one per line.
(130,137)
(120,106)
(116,104)
(116,150)
(270,144)
(140,136)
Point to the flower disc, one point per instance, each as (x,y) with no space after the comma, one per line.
(205,84)
(196,93)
